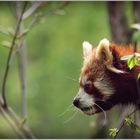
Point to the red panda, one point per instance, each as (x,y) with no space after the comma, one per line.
(105,79)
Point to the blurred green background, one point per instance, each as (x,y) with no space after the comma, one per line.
(54,54)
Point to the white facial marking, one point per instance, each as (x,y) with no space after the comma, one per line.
(104,86)
(115,70)
(85,99)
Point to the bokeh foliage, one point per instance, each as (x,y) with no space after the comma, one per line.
(54,50)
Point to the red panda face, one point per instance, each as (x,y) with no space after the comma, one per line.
(96,89)
(94,92)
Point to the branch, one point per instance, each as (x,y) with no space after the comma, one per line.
(51,12)
(11,123)
(137,104)
(23,128)
(123,123)
(9,58)
(32,9)
(13,120)
(21,54)
(22,75)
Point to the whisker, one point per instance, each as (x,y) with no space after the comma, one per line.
(68,109)
(71,117)
(105,120)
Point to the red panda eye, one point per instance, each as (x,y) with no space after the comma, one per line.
(87,88)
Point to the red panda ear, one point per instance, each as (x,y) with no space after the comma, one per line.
(87,49)
(104,55)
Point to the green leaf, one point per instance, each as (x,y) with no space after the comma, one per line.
(6,44)
(138,129)
(131,62)
(138,62)
(130,56)
(135,127)
(113,132)
(126,57)
(23,121)
(128,121)
(135,26)
(137,54)
(139,76)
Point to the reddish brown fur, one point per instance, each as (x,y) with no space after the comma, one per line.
(126,89)
(107,79)
(125,84)
(118,52)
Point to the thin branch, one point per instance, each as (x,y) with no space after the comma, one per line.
(9,58)
(51,12)
(32,9)
(13,120)
(119,130)
(37,19)
(24,128)
(21,54)
(123,123)
(11,123)
(138,90)
(22,75)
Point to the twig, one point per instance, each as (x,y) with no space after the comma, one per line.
(32,9)
(25,129)
(21,54)
(119,130)
(11,123)
(52,11)
(123,123)
(12,119)
(138,90)
(38,18)
(9,58)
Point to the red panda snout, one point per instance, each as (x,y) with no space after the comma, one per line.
(76,102)
(90,98)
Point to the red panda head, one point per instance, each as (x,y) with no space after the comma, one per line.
(104,80)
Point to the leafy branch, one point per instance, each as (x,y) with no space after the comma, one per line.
(18,38)
(9,58)
(5,110)
(126,121)
(132,61)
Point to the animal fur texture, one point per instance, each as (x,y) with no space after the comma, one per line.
(105,79)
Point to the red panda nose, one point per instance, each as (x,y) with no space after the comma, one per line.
(76,103)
